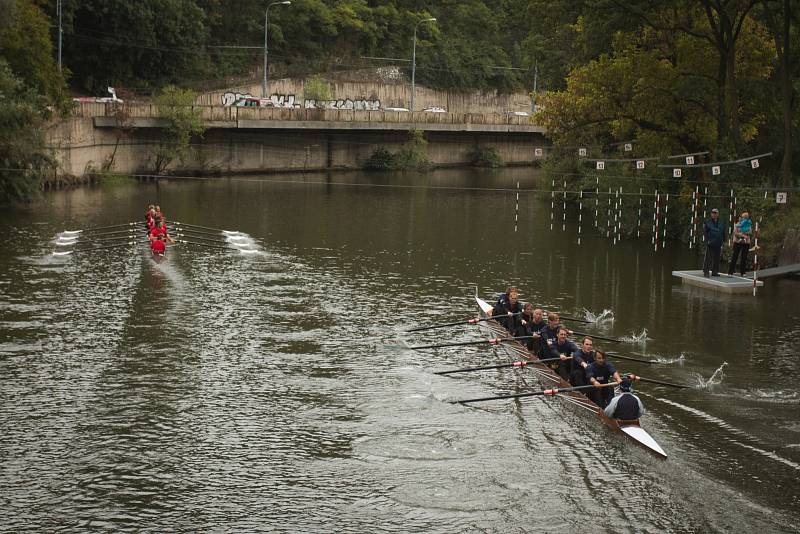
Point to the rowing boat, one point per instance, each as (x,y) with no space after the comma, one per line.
(631,429)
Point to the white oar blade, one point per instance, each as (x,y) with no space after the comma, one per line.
(64,253)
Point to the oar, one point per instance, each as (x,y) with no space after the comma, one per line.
(631,358)
(593,336)
(92,249)
(653,381)
(470,321)
(182,228)
(552,391)
(229,232)
(100,228)
(184,241)
(492,341)
(568,318)
(522,363)
(181,234)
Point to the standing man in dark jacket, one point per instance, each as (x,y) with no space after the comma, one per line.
(714,231)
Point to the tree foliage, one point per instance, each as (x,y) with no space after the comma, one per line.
(183,123)
(23,158)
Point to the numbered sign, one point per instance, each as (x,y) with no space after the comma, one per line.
(715,170)
(538,152)
(690,160)
(640,164)
(754,163)
(676,173)
(628,147)
(582,152)
(780,198)
(601,165)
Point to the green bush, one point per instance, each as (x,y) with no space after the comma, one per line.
(485,157)
(414,154)
(381,160)
(315,88)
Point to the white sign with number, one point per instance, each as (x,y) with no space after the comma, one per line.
(780,198)
(628,147)
(715,170)
(754,163)
(582,152)
(537,152)
(690,160)
(676,173)
(601,165)
(640,164)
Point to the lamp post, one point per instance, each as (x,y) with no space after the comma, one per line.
(60,33)
(414,60)
(266,34)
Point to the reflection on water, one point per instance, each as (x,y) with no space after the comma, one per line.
(276,391)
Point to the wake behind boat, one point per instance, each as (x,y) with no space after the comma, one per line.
(630,428)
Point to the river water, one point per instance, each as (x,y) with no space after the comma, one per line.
(222,391)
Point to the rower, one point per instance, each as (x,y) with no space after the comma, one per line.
(533,322)
(549,333)
(158,246)
(581,359)
(562,348)
(600,372)
(508,304)
(162,230)
(626,405)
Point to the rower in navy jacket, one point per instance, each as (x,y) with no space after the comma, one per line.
(562,348)
(598,373)
(626,405)
(508,304)
(529,324)
(549,333)
(581,359)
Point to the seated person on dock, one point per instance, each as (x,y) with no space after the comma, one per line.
(581,359)
(599,373)
(562,348)
(626,405)
(508,304)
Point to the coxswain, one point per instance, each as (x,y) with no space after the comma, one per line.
(599,373)
(508,305)
(149,213)
(158,246)
(563,349)
(581,359)
(625,405)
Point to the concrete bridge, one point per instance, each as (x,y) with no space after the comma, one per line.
(122,137)
(105,115)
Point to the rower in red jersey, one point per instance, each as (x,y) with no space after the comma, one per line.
(162,230)
(158,246)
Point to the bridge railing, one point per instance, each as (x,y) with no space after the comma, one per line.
(233,114)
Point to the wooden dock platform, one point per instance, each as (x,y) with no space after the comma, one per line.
(723,283)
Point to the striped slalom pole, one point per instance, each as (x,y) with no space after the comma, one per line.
(666,214)
(597,202)
(731,207)
(639,217)
(619,213)
(755,257)
(580,215)
(564,209)
(516,210)
(552,202)
(705,211)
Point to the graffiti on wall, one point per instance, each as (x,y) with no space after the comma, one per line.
(289,101)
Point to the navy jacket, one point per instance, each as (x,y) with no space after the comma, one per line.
(714,232)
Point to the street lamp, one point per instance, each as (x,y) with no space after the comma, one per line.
(414,60)
(266,33)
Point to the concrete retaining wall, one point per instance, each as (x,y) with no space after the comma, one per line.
(81,148)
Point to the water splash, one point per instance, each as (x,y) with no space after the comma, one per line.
(665,359)
(716,378)
(606,316)
(640,338)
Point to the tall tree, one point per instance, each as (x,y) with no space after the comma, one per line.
(23,158)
